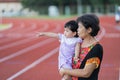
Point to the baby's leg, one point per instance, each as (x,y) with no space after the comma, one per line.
(66,77)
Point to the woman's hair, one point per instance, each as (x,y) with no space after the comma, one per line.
(72,25)
(90,21)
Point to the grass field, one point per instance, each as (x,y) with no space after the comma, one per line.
(4,26)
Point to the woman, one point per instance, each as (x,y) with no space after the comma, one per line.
(117,16)
(91,51)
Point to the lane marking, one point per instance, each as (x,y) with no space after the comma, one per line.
(119,73)
(35,63)
(19,35)
(21,26)
(29,48)
(21,41)
(13,35)
(16,43)
(29,28)
(100,36)
(16,32)
(112,35)
(25,50)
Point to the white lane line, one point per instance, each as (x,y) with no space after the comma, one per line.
(20,41)
(21,26)
(25,50)
(17,33)
(49,54)
(16,43)
(112,35)
(34,32)
(103,32)
(3,34)
(119,73)
(28,28)
(11,36)
(36,62)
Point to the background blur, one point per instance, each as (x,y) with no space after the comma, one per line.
(23,56)
(56,7)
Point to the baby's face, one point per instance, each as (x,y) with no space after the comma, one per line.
(68,33)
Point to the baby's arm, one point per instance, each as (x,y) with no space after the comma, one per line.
(77,51)
(48,34)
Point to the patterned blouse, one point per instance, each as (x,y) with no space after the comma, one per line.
(88,55)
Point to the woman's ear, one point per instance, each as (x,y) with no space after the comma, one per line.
(89,30)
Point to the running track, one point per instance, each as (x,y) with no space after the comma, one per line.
(23,56)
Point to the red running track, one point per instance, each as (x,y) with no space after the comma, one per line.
(23,56)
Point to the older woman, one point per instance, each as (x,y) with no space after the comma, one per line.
(91,51)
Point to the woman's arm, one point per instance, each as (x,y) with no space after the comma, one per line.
(90,65)
(86,72)
(48,34)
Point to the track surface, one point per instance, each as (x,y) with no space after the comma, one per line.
(23,56)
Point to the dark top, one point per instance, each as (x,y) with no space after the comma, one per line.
(91,54)
(96,51)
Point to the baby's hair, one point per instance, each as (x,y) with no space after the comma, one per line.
(72,25)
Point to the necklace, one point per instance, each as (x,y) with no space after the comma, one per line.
(88,42)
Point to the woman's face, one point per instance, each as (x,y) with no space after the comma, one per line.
(82,31)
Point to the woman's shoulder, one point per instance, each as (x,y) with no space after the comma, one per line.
(97,50)
(98,46)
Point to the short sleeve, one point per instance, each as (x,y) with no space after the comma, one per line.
(95,60)
(95,55)
(79,40)
(60,36)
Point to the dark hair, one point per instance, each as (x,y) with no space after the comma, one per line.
(90,20)
(72,25)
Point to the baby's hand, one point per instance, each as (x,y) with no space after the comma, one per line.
(39,34)
(76,59)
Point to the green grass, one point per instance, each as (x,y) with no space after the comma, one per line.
(46,17)
(4,26)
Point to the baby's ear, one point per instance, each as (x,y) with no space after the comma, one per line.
(74,33)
